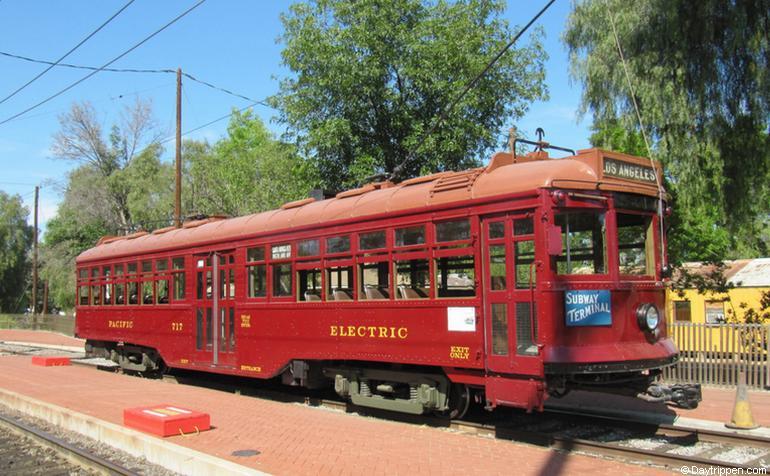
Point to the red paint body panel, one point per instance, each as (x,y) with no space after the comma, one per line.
(166,420)
(47,361)
(269,332)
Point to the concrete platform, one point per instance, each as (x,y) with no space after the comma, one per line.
(285,438)
(277,438)
(45,338)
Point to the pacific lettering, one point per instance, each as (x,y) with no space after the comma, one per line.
(120,324)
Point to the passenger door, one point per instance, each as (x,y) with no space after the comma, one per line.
(215,339)
(509,306)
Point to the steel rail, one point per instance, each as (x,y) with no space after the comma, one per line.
(68,451)
(702,434)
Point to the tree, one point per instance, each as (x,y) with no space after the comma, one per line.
(15,243)
(247,171)
(700,71)
(370,76)
(81,139)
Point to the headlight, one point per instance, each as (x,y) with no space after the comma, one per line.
(648,317)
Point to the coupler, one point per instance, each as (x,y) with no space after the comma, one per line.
(686,395)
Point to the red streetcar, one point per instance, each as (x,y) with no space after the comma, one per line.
(504,284)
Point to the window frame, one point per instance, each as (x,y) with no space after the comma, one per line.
(651,245)
(609,256)
(423,255)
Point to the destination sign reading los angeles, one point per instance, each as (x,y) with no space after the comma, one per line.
(628,171)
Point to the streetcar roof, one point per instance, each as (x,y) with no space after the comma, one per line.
(503,176)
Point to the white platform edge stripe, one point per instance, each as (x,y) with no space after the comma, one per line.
(177,458)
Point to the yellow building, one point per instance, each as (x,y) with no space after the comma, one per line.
(751,277)
(710,322)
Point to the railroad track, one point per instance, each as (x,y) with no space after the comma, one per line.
(638,442)
(68,458)
(666,445)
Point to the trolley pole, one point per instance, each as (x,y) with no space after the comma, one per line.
(178,197)
(34,256)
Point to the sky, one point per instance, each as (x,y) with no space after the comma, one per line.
(229,43)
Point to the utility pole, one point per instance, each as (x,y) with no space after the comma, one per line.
(178,198)
(34,256)
(45,297)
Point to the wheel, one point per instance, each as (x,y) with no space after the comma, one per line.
(459,400)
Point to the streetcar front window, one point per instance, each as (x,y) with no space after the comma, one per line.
(584,237)
(635,244)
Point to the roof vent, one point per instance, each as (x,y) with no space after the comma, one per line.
(356,191)
(297,203)
(457,180)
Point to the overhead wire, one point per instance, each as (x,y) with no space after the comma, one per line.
(90,35)
(470,85)
(222,118)
(137,45)
(130,70)
(632,92)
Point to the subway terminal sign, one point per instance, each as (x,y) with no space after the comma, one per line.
(587,308)
(628,171)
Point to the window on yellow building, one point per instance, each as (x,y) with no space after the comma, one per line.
(715,312)
(682,311)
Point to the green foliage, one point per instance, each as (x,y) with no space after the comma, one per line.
(701,72)
(612,135)
(370,76)
(15,242)
(84,216)
(246,172)
(149,189)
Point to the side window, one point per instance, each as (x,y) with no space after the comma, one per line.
(178,278)
(308,248)
(457,230)
(96,295)
(83,289)
(374,279)
(410,236)
(309,284)
(282,280)
(107,293)
(497,270)
(339,283)
(456,277)
(635,244)
(256,272)
(148,288)
(161,284)
(371,241)
(133,284)
(83,295)
(281,272)
(412,279)
(524,251)
(585,243)
(120,285)
(338,244)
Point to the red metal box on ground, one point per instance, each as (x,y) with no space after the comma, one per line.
(166,420)
(48,361)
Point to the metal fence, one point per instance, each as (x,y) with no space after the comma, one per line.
(43,322)
(715,354)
